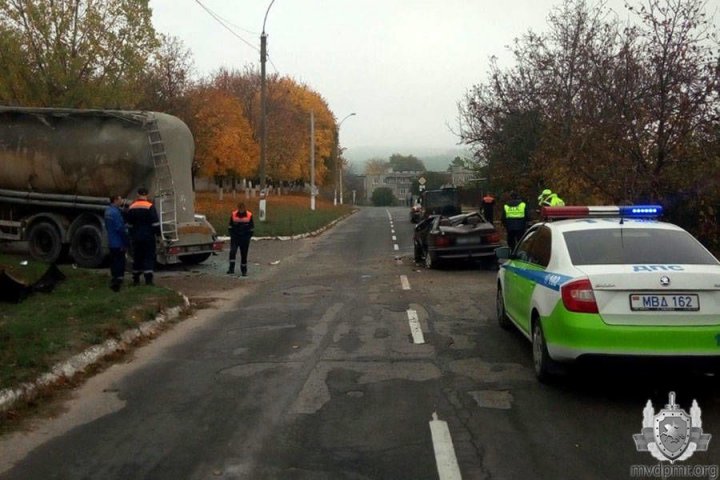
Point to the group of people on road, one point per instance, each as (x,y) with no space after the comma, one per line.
(137,228)
(515,214)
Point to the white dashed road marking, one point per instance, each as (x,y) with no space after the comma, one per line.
(396,247)
(415,329)
(447,464)
(405,283)
(394,238)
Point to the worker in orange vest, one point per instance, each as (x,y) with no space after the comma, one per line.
(241,229)
(144,226)
(488,205)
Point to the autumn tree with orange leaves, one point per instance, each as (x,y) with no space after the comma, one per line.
(289,105)
(224,143)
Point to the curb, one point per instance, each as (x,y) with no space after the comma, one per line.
(67,369)
(314,233)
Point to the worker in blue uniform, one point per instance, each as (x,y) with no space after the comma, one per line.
(117,241)
(144,226)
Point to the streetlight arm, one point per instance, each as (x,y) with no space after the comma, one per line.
(266,15)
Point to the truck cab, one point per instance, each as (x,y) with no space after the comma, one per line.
(443,201)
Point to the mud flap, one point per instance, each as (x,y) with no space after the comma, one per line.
(47,282)
(11,289)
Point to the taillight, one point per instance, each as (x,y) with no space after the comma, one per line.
(492,238)
(174,250)
(218,246)
(442,241)
(578,296)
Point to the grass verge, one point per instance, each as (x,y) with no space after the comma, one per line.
(81,311)
(286,214)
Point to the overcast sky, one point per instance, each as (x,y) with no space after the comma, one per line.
(400,65)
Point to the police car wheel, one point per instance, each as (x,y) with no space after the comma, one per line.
(502,317)
(544,365)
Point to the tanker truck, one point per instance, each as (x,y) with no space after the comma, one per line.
(59,166)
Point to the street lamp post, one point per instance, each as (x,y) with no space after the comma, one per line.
(338,164)
(263,109)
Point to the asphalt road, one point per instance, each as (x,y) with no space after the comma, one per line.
(314,373)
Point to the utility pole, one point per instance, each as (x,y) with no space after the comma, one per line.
(263,100)
(312,160)
(338,163)
(263,110)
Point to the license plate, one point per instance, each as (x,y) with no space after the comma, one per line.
(665,302)
(467,240)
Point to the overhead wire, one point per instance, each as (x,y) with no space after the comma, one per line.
(223,23)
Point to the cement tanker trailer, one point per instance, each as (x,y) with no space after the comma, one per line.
(58,167)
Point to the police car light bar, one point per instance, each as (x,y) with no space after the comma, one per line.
(631,211)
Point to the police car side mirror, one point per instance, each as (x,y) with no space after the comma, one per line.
(502,253)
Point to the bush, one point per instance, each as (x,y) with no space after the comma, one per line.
(383,197)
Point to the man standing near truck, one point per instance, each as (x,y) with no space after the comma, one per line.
(144,225)
(117,241)
(241,228)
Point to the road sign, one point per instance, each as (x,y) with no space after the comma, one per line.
(422,180)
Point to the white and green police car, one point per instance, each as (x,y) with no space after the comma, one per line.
(609,281)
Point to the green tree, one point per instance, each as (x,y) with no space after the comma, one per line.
(166,79)
(74,53)
(383,197)
(405,163)
(376,166)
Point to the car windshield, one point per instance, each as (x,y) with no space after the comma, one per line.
(441,198)
(618,246)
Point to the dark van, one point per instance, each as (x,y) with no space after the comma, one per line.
(445,201)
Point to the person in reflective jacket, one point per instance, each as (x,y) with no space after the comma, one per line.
(241,229)
(514,219)
(117,241)
(548,198)
(144,226)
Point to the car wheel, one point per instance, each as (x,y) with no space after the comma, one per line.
(502,317)
(545,368)
(44,242)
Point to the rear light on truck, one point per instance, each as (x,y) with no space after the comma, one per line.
(218,246)
(578,296)
(174,250)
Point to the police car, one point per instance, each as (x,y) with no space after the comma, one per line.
(609,281)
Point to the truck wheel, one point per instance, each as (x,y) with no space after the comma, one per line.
(44,242)
(195,258)
(86,247)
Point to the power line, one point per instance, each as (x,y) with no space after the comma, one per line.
(221,22)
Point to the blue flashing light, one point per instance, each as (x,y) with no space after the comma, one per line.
(641,211)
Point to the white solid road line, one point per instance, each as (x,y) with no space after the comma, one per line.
(404,282)
(447,464)
(415,329)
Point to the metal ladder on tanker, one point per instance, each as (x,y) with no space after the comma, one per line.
(165,189)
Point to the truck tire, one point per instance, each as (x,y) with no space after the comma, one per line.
(44,242)
(195,258)
(86,246)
